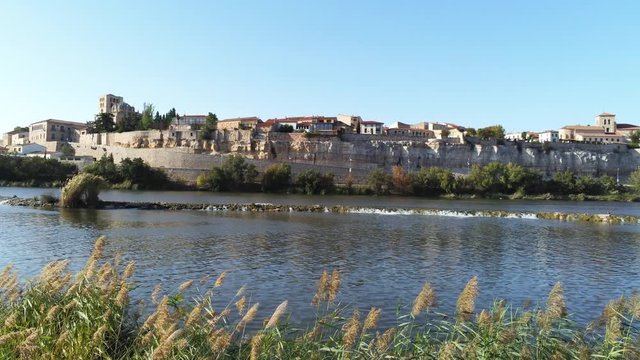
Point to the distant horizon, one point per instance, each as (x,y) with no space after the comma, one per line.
(528,66)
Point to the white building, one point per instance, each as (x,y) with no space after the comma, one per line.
(26,149)
(371,127)
(549,136)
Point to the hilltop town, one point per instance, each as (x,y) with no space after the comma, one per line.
(347,144)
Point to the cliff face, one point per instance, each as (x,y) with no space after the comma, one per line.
(369,152)
(358,153)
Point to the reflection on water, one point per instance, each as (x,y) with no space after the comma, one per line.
(384,259)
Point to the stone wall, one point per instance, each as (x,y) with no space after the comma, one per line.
(360,153)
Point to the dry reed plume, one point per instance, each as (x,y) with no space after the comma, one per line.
(465,306)
(59,316)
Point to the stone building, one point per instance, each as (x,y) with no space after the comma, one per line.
(115,106)
(56,130)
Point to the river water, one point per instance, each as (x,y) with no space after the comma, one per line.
(384,259)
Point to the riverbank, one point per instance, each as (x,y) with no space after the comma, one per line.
(50,203)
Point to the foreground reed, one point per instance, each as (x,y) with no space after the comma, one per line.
(90,316)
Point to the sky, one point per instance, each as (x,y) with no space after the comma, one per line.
(527,65)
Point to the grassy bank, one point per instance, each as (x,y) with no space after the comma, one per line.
(89,315)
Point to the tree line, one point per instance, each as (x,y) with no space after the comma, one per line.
(236,174)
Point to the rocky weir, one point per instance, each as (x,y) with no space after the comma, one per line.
(340,209)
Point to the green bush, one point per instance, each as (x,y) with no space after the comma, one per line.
(379,181)
(634,180)
(276,178)
(36,170)
(313,182)
(433,181)
(235,173)
(129,174)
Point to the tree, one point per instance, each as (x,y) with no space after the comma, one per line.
(433,181)
(103,122)
(67,150)
(130,122)
(634,180)
(379,181)
(20,129)
(471,132)
(491,132)
(313,182)
(234,174)
(401,180)
(445,133)
(209,126)
(635,137)
(276,178)
(147,117)
(286,128)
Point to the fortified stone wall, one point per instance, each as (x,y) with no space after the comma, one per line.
(360,153)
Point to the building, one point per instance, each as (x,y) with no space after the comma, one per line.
(245,123)
(16,137)
(115,106)
(548,136)
(568,133)
(402,131)
(56,130)
(515,136)
(627,129)
(186,127)
(28,149)
(607,121)
(371,127)
(602,138)
(401,125)
(350,123)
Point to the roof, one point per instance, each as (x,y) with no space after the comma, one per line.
(627,126)
(601,135)
(184,116)
(71,123)
(549,131)
(251,118)
(371,122)
(583,127)
(607,114)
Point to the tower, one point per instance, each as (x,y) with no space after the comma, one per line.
(607,121)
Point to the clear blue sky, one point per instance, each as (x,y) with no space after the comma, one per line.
(528,65)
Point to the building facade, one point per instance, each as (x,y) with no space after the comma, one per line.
(114,105)
(549,136)
(56,130)
(371,127)
(607,121)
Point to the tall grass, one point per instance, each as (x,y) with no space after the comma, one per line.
(81,191)
(89,315)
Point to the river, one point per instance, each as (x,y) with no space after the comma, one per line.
(384,259)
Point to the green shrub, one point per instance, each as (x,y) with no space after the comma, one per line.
(313,182)
(379,181)
(634,180)
(129,174)
(36,170)
(433,181)
(235,173)
(276,178)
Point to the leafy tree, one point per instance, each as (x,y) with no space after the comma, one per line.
(401,180)
(102,122)
(471,132)
(433,181)
(491,178)
(157,121)
(209,127)
(379,181)
(564,182)
(21,129)
(106,169)
(130,173)
(491,132)
(523,180)
(635,137)
(286,128)
(130,122)
(234,174)
(67,150)
(147,117)
(445,133)
(313,182)
(34,169)
(634,180)
(276,178)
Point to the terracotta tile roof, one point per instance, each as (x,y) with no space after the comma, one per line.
(583,127)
